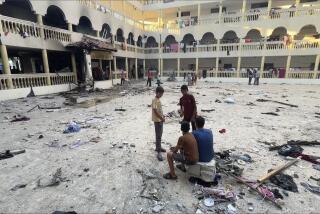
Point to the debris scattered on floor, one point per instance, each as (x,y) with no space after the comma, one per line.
(18,118)
(287,104)
(55,180)
(18,186)
(284,181)
(229,100)
(270,113)
(207,110)
(311,188)
(72,127)
(9,154)
(120,109)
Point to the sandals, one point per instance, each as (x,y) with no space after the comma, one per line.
(168,176)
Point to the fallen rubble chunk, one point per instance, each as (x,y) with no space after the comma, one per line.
(120,109)
(270,113)
(282,103)
(207,110)
(18,118)
(18,186)
(9,154)
(284,181)
(311,188)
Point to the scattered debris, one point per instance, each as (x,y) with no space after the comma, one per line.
(72,127)
(207,110)
(284,181)
(231,209)
(217,101)
(55,180)
(18,186)
(311,188)
(62,212)
(316,166)
(157,208)
(120,109)
(44,107)
(287,104)
(95,139)
(229,100)
(222,131)
(208,202)
(277,170)
(17,118)
(77,144)
(270,113)
(9,154)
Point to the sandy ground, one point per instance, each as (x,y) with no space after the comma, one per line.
(111,175)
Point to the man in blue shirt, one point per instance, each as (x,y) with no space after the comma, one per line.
(204,138)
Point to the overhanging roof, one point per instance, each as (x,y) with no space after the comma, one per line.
(90,43)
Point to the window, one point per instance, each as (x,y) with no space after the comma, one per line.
(259,5)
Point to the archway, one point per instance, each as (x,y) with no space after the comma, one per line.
(208,38)
(188,39)
(230,37)
(55,18)
(306,31)
(139,41)
(105,31)
(20,9)
(119,35)
(278,33)
(85,26)
(130,39)
(170,39)
(253,35)
(151,42)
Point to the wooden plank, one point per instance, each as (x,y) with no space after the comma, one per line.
(277,170)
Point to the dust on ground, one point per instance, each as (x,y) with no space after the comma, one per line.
(110,165)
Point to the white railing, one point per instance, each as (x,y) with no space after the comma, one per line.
(229,47)
(62,78)
(151,50)
(4,81)
(28,80)
(131,48)
(212,19)
(251,46)
(301,74)
(207,48)
(231,18)
(140,50)
(56,34)
(31,29)
(21,27)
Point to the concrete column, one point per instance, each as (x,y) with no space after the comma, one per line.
(178,67)
(316,66)
(127,67)
(197,66)
(263,59)
(144,67)
(238,66)
(269,5)
(97,33)
(288,65)
(244,8)
(115,66)
(110,71)
(220,11)
(69,27)
(74,67)
(217,66)
(5,65)
(40,22)
(100,64)
(159,67)
(136,67)
(46,65)
(179,17)
(199,13)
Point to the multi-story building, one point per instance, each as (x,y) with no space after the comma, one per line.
(222,38)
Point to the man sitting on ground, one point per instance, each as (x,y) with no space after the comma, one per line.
(204,139)
(187,145)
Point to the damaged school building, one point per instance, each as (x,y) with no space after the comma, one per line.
(215,39)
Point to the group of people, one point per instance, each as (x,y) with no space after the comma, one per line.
(255,74)
(191,147)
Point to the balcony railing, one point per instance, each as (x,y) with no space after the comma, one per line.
(31,29)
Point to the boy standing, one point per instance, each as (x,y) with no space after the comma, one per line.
(188,106)
(158,119)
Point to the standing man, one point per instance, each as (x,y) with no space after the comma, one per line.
(123,77)
(188,107)
(250,75)
(149,78)
(256,75)
(158,119)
